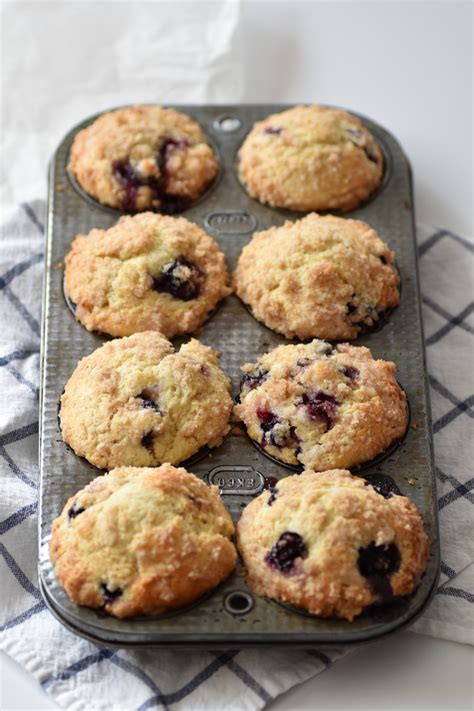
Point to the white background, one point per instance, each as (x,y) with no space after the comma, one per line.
(408,65)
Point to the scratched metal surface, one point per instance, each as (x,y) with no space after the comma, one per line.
(231,216)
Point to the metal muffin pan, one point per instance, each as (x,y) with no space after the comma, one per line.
(232,615)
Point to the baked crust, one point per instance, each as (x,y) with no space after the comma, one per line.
(113,276)
(356,546)
(143,157)
(311,158)
(136,401)
(320,406)
(142,541)
(325,277)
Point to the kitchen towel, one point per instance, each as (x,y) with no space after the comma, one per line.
(82,677)
(80,61)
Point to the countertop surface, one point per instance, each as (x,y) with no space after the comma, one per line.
(408,65)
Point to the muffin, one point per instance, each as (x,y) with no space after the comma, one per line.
(142,541)
(311,158)
(142,158)
(330,544)
(137,402)
(320,406)
(325,277)
(147,272)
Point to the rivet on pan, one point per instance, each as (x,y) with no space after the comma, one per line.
(238,602)
(227,123)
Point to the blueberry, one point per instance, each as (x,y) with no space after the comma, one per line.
(383,485)
(147,402)
(267,418)
(148,441)
(285,551)
(272,130)
(327,349)
(358,138)
(350,372)
(373,157)
(173,204)
(273,495)
(131,181)
(376,564)
(169,204)
(279,434)
(180,278)
(74,510)
(253,379)
(366,311)
(125,173)
(270,484)
(109,596)
(382,259)
(320,406)
(166,147)
(304,362)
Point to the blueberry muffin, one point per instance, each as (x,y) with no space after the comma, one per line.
(320,406)
(311,158)
(137,402)
(327,277)
(142,541)
(147,272)
(142,158)
(331,544)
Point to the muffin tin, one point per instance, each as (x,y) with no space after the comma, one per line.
(232,615)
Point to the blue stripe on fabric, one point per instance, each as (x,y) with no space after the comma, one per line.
(23,617)
(452,414)
(78,666)
(461,240)
(140,674)
(445,314)
(18,517)
(447,394)
(431,241)
(29,211)
(16,355)
(20,433)
(22,310)
(19,574)
(446,477)
(456,592)
(249,681)
(23,381)
(447,570)
(461,490)
(453,322)
(16,469)
(191,686)
(319,655)
(19,268)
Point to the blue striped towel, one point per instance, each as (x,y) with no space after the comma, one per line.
(81,677)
